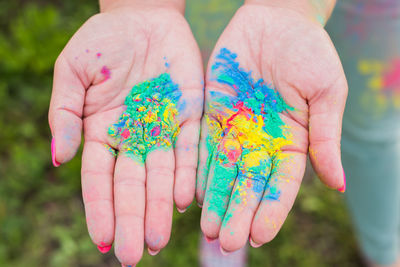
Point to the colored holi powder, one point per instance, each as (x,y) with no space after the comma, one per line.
(391,78)
(106,73)
(166,64)
(320,19)
(383,81)
(98,55)
(270,223)
(245,137)
(313,155)
(111,150)
(150,119)
(320,7)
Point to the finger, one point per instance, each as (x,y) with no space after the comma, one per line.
(129,203)
(222,177)
(65,113)
(98,161)
(186,147)
(211,134)
(249,187)
(97,191)
(203,165)
(160,165)
(326,112)
(278,198)
(186,164)
(186,70)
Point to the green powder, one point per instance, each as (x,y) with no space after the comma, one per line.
(245,136)
(150,119)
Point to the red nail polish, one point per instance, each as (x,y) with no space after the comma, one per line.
(209,240)
(103,248)
(343,188)
(53,153)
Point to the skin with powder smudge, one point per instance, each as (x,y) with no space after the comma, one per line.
(245,137)
(302,65)
(127,203)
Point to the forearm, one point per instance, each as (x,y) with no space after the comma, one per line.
(111,4)
(317,10)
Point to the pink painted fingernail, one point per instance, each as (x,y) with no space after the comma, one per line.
(254,244)
(180,210)
(200,205)
(209,240)
(152,252)
(53,153)
(223,251)
(343,188)
(104,248)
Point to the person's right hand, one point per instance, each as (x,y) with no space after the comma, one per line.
(127,202)
(249,172)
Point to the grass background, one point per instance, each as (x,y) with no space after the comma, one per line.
(41,212)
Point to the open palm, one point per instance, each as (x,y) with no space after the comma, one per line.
(255,140)
(126,201)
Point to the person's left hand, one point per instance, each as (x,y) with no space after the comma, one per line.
(253,148)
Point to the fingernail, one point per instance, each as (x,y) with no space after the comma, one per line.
(223,251)
(104,248)
(343,188)
(209,240)
(53,153)
(199,205)
(254,244)
(180,210)
(152,252)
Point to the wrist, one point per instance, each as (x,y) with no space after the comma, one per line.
(316,10)
(107,5)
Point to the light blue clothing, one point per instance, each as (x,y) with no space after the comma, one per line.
(367,37)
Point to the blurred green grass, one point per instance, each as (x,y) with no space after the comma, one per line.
(41,212)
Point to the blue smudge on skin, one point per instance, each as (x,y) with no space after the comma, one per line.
(259,186)
(166,63)
(273,194)
(182,106)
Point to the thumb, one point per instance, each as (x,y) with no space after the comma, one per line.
(65,113)
(326,113)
